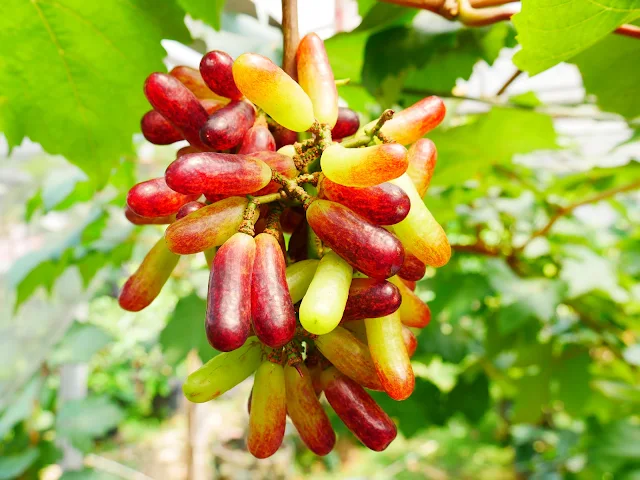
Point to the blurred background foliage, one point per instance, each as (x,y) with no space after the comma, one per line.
(530,367)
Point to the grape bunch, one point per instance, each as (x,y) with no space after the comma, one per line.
(332,310)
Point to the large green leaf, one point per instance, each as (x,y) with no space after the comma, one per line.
(71,74)
(12,466)
(553,31)
(615,93)
(493,138)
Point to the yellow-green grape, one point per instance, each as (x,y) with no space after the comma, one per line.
(223,372)
(288,150)
(364,167)
(268,416)
(270,88)
(323,305)
(419,231)
(299,277)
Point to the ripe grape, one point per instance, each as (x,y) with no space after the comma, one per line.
(226,127)
(136,219)
(208,227)
(368,248)
(257,139)
(228,318)
(383,204)
(158,130)
(369,298)
(390,356)
(274,320)
(413,268)
(215,68)
(270,88)
(154,198)
(192,79)
(359,412)
(305,411)
(347,124)
(278,162)
(322,306)
(217,173)
(422,163)
(316,78)
(299,276)
(413,311)
(178,104)
(410,340)
(364,167)
(290,219)
(223,372)
(145,284)
(283,136)
(268,416)
(350,356)
(413,123)
(188,208)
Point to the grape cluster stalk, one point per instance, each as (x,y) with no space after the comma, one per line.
(330,311)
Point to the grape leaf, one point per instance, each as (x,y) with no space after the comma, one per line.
(71,74)
(208,11)
(553,31)
(79,344)
(615,93)
(493,138)
(80,421)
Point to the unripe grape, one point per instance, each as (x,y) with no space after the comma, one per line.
(370,298)
(145,284)
(364,167)
(413,311)
(215,68)
(410,340)
(192,79)
(422,162)
(390,356)
(154,198)
(420,231)
(299,276)
(223,372)
(316,78)
(158,130)
(268,416)
(324,302)
(269,87)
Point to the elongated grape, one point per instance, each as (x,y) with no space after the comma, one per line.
(410,340)
(364,167)
(297,247)
(136,219)
(413,311)
(371,298)
(226,127)
(268,416)
(283,136)
(299,276)
(257,139)
(314,363)
(223,372)
(278,162)
(274,319)
(350,356)
(305,411)
(185,150)
(188,208)
(422,162)
(291,218)
(145,284)
(368,248)
(177,104)
(359,412)
(323,305)
(414,122)
(215,68)
(413,268)
(209,255)
(358,329)
(420,231)
(158,130)
(153,198)
(212,105)
(217,173)
(409,283)
(347,124)
(390,356)
(208,227)
(192,79)
(229,298)
(316,78)
(383,204)
(269,87)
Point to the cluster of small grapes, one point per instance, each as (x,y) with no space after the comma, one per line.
(335,312)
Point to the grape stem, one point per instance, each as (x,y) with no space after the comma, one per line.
(375,131)
(311,178)
(273,219)
(342,81)
(247,224)
(292,189)
(272,197)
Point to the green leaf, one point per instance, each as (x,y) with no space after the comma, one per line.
(470,396)
(81,421)
(553,31)
(208,11)
(12,466)
(79,344)
(494,138)
(185,331)
(527,99)
(585,271)
(88,474)
(21,407)
(71,74)
(570,380)
(615,93)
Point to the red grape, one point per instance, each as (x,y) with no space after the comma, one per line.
(409,283)
(413,268)
(136,219)
(413,311)
(366,247)
(348,123)
(154,198)
(226,127)
(257,139)
(158,130)
(229,300)
(283,136)
(414,122)
(277,162)
(410,340)
(291,218)
(369,298)
(192,79)
(422,162)
(215,68)
(268,416)
(188,208)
